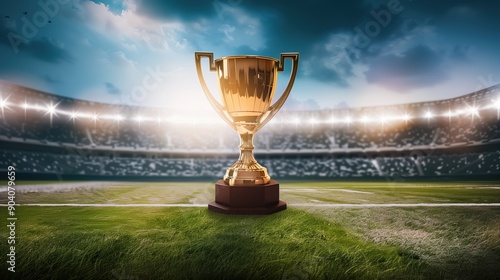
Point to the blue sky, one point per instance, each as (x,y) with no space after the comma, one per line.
(353,53)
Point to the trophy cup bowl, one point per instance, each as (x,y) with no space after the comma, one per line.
(247,85)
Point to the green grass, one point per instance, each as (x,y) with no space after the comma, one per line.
(89,243)
(299,243)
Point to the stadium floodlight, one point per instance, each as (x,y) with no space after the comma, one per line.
(139,119)
(51,110)
(473,111)
(348,120)
(73,115)
(25,106)
(406,117)
(365,119)
(383,120)
(118,118)
(95,118)
(428,115)
(4,105)
(496,104)
(450,114)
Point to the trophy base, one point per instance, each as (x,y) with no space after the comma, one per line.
(247,200)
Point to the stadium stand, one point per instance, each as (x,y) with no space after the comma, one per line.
(42,133)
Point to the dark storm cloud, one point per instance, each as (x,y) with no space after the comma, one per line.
(294,21)
(185,10)
(418,67)
(304,27)
(45,49)
(432,8)
(4,31)
(111,88)
(291,26)
(298,24)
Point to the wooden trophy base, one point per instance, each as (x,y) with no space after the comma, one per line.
(247,200)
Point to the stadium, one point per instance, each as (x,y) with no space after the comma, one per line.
(51,137)
(108,191)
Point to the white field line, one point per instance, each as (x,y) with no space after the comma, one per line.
(367,205)
(352,191)
(109,205)
(350,205)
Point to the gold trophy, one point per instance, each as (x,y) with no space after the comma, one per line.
(247,85)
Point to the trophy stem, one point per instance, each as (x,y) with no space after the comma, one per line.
(246,149)
(246,171)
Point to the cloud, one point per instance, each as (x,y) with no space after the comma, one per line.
(120,59)
(48,50)
(130,25)
(329,62)
(227,30)
(185,10)
(111,88)
(43,48)
(418,67)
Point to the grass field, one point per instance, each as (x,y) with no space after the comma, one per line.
(303,242)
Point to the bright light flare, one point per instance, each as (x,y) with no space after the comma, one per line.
(406,117)
(95,118)
(473,111)
(383,120)
(364,119)
(118,117)
(139,119)
(51,110)
(4,105)
(496,103)
(428,115)
(73,116)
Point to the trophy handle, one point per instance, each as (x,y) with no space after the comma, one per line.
(217,106)
(277,106)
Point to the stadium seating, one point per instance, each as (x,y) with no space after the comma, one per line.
(39,128)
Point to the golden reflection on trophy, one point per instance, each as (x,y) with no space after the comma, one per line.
(247,85)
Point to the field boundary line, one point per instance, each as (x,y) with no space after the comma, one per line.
(332,205)
(367,205)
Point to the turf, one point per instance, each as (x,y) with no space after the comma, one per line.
(89,243)
(299,243)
